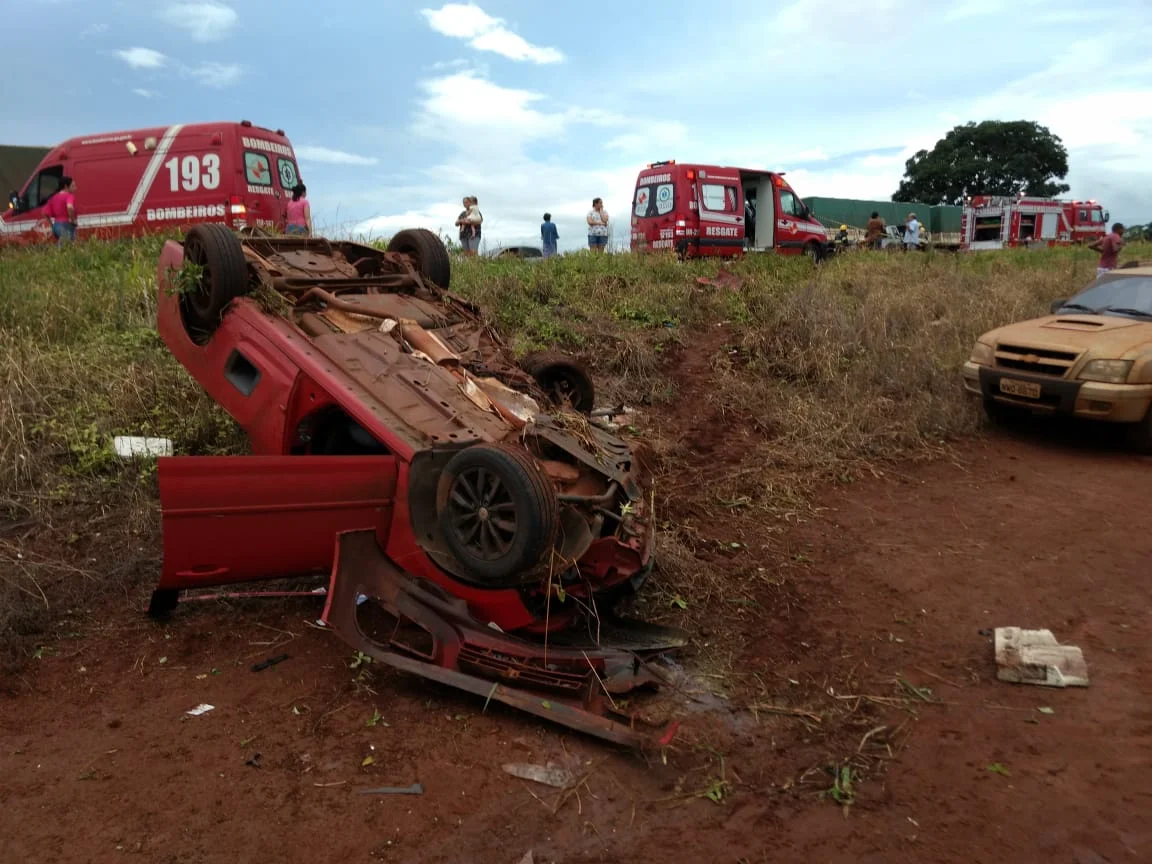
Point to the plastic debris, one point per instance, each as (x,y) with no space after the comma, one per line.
(1035,657)
(202,708)
(133,447)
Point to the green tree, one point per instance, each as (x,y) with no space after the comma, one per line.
(990,158)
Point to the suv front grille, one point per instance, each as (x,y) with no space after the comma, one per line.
(1042,361)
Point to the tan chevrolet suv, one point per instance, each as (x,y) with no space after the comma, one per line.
(1091,358)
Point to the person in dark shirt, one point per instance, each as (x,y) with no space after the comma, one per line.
(874,231)
(1109,248)
(549,235)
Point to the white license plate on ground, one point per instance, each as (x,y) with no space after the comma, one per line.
(1025,389)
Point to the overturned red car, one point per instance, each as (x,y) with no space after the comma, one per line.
(477,521)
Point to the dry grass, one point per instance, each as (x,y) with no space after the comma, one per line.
(813,373)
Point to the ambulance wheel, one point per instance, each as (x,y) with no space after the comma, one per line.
(813,251)
(498,513)
(565,379)
(428,254)
(218,276)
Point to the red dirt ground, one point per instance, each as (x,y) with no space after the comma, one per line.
(861,636)
(897,577)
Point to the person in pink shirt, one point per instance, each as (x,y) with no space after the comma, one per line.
(61,211)
(299,212)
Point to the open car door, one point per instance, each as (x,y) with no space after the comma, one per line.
(229,519)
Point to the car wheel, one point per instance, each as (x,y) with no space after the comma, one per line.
(498,513)
(1140,435)
(812,250)
(427,252)
(565,379)
(218,275)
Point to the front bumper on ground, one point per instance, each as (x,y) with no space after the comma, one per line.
(1095,400)
(413,625)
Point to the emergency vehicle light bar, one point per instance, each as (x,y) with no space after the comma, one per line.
(665,162)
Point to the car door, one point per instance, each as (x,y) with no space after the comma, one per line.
(229,519)
(25,222)
(720,201)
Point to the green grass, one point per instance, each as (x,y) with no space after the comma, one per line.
(825,368)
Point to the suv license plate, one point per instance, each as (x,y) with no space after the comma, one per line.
(1026,389)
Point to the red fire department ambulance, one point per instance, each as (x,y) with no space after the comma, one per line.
(1001,222)
(699,210)
(160,179)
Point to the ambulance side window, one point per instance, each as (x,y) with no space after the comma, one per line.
(43,186)
(719,198)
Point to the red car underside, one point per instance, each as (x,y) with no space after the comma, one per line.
(363,518)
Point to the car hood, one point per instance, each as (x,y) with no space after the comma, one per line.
(1113,335)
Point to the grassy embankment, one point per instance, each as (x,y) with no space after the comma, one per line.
(851,364)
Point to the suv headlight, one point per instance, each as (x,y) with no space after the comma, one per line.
(1107,371)
(982,355)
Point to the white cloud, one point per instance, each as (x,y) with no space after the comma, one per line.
(469,22)
(213,74)
(465,99)
(144,94)
(657,138)
(311,153)
(142,58)
(204,22)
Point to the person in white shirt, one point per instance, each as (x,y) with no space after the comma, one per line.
(912,233)
(469,222)
(597,226)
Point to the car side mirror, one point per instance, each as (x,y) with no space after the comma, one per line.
(1107,215)
(1057,305)
(13,200)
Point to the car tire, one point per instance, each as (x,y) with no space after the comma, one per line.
(1140,435)
(498,513)
(813,251)
(428,253)
(222,277)
(563,378)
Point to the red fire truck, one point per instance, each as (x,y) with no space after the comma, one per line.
(160,179)
(701,210)
(1001,222)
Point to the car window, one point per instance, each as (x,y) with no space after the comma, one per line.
(289,176)
(653,199)
(1112,291)
(257,169)
(718,197)
(790,204)
(43,186)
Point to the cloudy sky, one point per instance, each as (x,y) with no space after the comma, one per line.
(397,109)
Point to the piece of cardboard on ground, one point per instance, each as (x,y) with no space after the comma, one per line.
(1035,657)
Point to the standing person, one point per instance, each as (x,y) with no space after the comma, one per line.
(874,232)
(1109,248)
(469,221)
(548,236)
(911,233)
(61,211)
(597,226)
(299,212)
